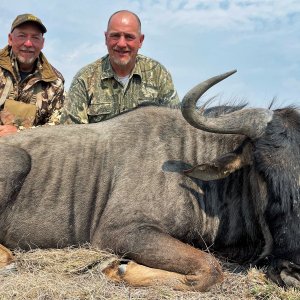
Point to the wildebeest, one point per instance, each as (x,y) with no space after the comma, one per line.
(149,186)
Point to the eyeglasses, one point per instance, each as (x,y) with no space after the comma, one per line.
(23,38)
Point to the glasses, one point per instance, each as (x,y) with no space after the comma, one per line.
(23,38)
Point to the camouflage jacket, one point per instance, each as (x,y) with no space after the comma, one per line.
(96,94)
(44,88)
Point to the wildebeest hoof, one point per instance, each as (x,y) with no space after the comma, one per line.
(122,269)
(115,269)
(290,275)
(285,273)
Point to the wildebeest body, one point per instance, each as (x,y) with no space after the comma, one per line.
(88,177)
(120,185)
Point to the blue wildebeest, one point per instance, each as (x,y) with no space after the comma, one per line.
(151,187)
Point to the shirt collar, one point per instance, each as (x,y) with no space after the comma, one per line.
(107,71)
(15,65)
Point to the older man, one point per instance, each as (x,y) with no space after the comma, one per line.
(31,89)
(119,81)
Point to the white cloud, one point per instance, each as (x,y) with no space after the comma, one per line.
(220,15)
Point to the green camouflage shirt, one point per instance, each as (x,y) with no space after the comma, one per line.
(44,88)
(96,94)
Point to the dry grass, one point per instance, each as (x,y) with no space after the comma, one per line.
(74,273)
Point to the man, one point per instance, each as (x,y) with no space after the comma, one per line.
(119,81)
(31,90)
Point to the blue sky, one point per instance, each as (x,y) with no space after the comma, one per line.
(194,39)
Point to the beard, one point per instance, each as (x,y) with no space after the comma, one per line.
(121,62)
(26,61)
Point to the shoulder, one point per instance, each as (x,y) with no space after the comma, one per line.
(148,63)
(150,68)
(47,71)
(58,74)
(5,60)
(91,69)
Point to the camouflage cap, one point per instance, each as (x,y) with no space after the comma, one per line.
(21,19)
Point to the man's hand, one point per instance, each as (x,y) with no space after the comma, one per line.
(7,129)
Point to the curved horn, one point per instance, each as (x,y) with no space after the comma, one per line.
(250,122)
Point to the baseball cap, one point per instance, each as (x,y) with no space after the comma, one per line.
(21,19)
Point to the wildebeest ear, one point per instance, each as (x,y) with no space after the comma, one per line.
(218,168)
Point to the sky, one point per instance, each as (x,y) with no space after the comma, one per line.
(193,39)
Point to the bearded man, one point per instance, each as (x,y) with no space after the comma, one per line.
(31,89)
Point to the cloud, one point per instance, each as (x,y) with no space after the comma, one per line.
(221,15)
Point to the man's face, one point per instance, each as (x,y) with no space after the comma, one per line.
(26,41)
(123,40)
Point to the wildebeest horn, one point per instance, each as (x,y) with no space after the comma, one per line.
(250,122)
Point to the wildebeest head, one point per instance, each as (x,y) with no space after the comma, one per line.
(271,150)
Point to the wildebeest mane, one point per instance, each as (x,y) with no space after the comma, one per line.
(277,144)
(280,144)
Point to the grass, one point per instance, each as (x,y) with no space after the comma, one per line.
(75,273)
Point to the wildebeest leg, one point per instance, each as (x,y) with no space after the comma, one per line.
(166,261)
(140,276)
(15,165)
